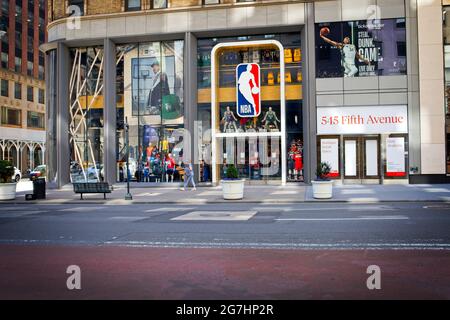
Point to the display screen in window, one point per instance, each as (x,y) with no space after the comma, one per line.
(361,48)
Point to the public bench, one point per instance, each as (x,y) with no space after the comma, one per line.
(94,187)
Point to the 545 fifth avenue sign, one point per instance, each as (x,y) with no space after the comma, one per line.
(362,120)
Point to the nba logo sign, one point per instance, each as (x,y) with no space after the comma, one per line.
(248,93)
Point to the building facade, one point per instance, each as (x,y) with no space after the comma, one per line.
(22,98)
(273,87)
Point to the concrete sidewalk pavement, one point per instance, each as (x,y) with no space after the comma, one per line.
(253,194)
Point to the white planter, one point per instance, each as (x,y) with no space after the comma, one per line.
(8,191)
(322,189)
(233,189)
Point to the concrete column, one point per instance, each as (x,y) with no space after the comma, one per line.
(309,94)
(109,111)
(412,50)
(190,98)
(431,82)
(62,106)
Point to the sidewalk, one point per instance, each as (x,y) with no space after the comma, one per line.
(253,194)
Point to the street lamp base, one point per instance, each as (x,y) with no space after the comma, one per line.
(128,196)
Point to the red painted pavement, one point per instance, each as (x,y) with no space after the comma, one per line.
(38,272)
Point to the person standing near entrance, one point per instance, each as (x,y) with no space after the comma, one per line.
(188,176)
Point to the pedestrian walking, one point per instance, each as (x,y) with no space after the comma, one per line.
(188,176)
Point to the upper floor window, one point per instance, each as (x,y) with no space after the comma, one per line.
(18,91)
(132,5)
(159,4)
(35,120)
(11,116)
(245,0)
(211,1)
(41,96)
(4,88)
(79,4)
(30,96)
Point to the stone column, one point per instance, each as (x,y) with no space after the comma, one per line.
(109,112)
(309,99)
(62,114)
(190,99)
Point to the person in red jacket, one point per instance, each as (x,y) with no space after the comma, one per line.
(298,158)
(170,167)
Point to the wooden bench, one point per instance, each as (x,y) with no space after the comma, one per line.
(94,187)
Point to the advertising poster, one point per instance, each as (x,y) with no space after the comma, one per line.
(395,157)
(329,152)
(361,49)
(156,82)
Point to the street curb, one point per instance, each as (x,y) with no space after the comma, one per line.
(213,202)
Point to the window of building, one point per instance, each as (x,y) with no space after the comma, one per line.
(11,117)
(35,120)
(245,0)
(17,91)
(30,96)
(79,4)
(150,85)
(41,97)
(132,5)
(211,2)
(159,4)
(4,88)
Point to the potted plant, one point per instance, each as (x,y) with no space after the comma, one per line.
(232,186)
(322,186)
(7,185)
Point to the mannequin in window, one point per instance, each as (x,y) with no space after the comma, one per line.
(270,118)
(229,120)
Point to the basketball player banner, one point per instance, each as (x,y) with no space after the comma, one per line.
(248,90)
(361,49)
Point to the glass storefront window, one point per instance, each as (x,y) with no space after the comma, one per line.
(150,84)
(86,115)
(253,158)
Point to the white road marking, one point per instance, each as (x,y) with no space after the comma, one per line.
(147,194)
(346,219)
(12,208)
(19,214)
(217,215)
(169,209)
(127,218)
(304,246)
(81,209)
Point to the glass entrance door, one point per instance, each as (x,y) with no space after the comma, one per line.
(361,159)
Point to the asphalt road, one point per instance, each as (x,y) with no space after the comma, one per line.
(230,251)
(397,225)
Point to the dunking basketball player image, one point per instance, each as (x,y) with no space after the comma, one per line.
(348,53)
(246,90)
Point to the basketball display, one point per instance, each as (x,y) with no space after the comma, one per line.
(324,31)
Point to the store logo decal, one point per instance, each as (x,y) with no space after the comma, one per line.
(248,90)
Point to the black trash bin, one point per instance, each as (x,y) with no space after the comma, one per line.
(39,188)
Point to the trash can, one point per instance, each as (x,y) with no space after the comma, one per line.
(39,188)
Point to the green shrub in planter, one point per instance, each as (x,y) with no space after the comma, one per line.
(6,171)
(322,171)
(232,173)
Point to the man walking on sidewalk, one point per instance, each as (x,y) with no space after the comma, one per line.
(188,175)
